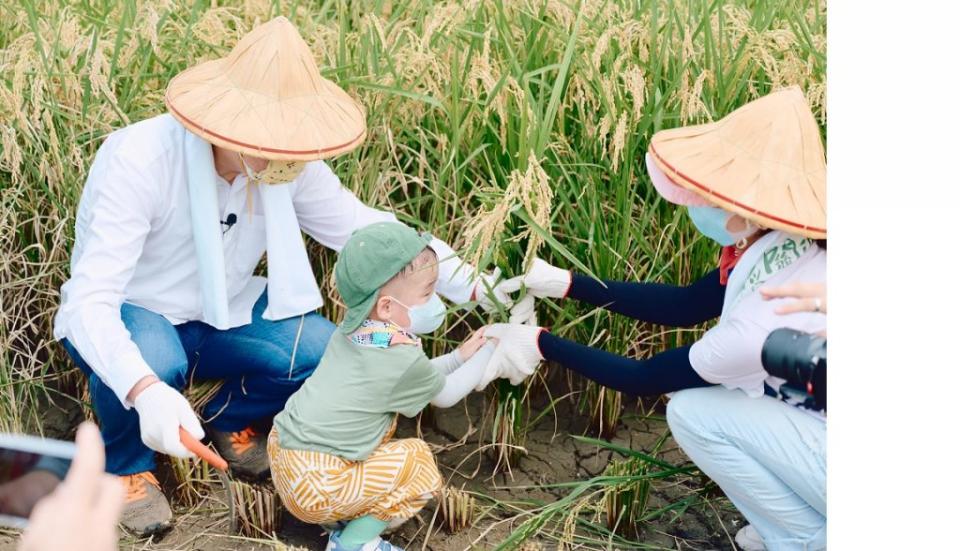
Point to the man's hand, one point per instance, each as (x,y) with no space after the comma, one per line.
(162,411)
(138,388)
(82,513)
(813,297)
(471,345)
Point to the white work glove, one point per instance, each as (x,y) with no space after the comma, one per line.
(542,280)
(163,410)
(488,284)
(517,354)
(524,311)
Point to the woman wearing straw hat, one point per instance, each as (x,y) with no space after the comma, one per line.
(176,214)
(754,182)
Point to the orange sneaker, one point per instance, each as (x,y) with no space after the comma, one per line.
(146,510)
(245,451)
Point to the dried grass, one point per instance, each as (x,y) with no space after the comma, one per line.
(258,509)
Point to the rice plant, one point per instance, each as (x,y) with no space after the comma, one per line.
(626,502)
(609,510)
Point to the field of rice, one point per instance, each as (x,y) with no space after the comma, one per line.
(509,128)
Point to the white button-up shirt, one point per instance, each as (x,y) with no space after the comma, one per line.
(134,243)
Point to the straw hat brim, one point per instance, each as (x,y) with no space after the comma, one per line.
(764,162)
(298,128)
(765,219)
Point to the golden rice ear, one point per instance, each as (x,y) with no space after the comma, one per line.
(529,188)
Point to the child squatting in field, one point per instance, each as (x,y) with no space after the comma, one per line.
(332,453)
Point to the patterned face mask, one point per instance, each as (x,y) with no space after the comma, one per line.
(276,172)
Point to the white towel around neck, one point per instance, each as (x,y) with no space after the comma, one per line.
(291,286)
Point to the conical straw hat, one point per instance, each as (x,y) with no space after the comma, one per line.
(764,162)
(267,99)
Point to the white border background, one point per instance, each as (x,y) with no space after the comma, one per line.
(894,221)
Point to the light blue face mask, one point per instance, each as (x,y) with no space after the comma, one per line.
(712,222)
(427,317)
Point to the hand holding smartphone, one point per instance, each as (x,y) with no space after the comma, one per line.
(81,511)
(60,493)
(30,469)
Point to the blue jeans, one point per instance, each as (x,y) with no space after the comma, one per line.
(261,363)
(768,457)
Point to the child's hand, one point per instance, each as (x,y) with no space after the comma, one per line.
(471,345)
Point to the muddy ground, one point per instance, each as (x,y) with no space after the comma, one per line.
(504,499)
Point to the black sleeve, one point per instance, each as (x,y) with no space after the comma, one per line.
(665,372)
(654,302)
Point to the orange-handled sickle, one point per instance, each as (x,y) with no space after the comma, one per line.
(202,451)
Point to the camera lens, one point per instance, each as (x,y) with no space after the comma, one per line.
(799,358)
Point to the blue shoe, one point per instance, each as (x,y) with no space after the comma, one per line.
(377,544)
(336,526)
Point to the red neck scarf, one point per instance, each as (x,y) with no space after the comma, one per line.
(729,256)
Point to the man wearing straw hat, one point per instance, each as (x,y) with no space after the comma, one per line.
(755,183)
(176,214)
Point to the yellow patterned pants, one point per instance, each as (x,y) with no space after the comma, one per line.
(392,484)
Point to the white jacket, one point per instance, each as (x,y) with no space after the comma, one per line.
(134,243)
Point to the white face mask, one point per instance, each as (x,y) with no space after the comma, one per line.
(712,222)
(424,318)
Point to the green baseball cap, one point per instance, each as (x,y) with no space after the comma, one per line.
(371,257)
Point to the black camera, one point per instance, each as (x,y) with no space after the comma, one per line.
(800,359)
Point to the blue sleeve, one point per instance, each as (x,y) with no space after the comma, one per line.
(654,302)
(665,372)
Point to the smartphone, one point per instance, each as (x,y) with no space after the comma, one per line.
(30,468)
